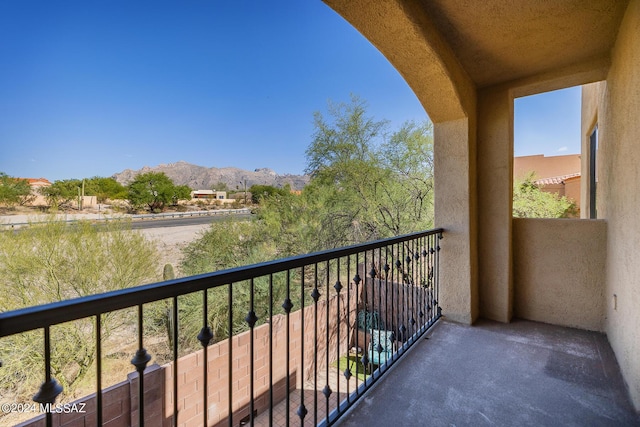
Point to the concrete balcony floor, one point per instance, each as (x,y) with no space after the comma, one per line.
(492,374)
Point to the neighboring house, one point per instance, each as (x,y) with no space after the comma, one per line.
(210,196)
(546,166)
(553,174)
(36,184)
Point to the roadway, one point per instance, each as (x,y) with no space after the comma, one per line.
(183,222)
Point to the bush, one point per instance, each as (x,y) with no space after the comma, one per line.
(54,261)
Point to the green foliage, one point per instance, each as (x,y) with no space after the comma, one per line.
(529,201)
(291,222)
(367,185)
(54,261)
(259,192)
(14,190)
(181,192)
(105,189)
(154,190)
(61,193)
(226,244)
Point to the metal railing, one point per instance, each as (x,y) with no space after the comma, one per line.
(316,331)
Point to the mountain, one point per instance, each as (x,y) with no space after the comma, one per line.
(203,178)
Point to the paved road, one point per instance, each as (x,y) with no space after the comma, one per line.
(183,222)
(17,221)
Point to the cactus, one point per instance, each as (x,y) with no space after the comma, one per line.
(167,272)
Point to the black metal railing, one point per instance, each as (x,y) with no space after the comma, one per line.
(296,340)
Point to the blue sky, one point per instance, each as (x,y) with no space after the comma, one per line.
(95,87)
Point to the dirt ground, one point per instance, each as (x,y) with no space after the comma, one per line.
(171,240)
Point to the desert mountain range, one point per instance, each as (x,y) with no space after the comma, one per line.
(203,178)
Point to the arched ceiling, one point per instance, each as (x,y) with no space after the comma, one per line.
(444,48)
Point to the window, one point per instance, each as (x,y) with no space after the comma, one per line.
(593,172)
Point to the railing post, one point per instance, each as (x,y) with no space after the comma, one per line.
(140,361)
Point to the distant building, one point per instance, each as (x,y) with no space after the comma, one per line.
(209,194)
(37,183)
(553,174)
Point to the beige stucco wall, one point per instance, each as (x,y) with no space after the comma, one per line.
(546,167)
(559,271)
(572,188)
(618,195)
(495,163)
(472,196)
(455,207)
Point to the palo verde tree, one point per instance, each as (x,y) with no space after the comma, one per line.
(54,261)
(155,190)
(105,189)
(368,183)
(62,192)
(259,191)
(14,190)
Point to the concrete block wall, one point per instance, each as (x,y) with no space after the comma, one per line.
(309,345)
(119,405)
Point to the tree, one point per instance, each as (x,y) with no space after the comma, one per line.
(364,186)
(54,261)
(61,193)
(155,190)
(105,189)
(181,192)
(369,184)
(259,192)
(14,190)
(529,201)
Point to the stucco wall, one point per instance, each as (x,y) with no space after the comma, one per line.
(559,271)
(495,171)
(619,196)
(455,212)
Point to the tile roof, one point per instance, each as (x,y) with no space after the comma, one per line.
(556,179)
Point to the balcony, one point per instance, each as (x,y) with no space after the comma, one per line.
(308,336)
(369,347)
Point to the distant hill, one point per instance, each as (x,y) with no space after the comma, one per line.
(202,178)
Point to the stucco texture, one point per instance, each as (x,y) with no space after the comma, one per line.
(466,60)
(553,282)
(618,195)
